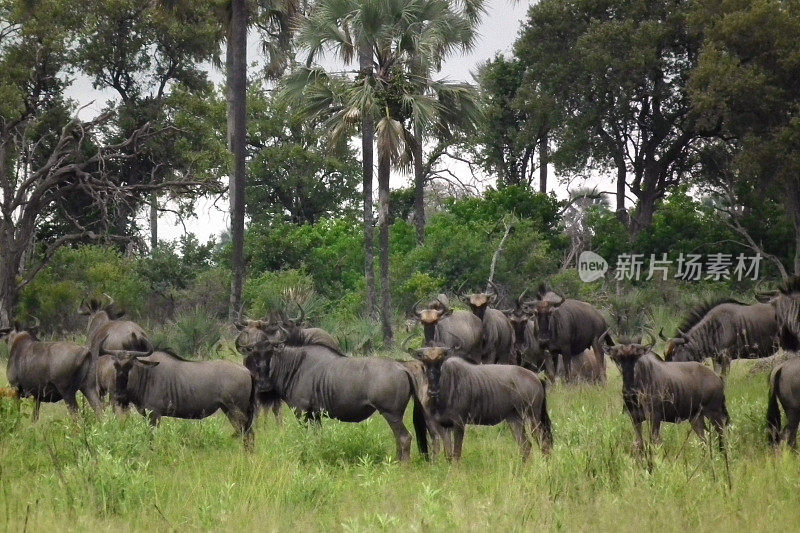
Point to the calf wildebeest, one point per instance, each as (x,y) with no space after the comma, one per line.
(528,351)
(726,330)
(661,391)
(460,330)
(164,384)
(49,371)
(586,368)
(497,333)
(784,387)
(460,392)
(107,332)
(316,380)
(567,327)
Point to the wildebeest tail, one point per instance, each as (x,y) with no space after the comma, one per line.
(773,411)
(418,417)
(544,420)
(252,406)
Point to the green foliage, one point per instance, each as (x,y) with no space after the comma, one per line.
(77,273)
(278,291)
(193,334)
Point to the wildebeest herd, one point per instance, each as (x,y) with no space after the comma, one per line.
(481,366)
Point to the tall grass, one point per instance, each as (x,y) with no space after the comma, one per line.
(87,473)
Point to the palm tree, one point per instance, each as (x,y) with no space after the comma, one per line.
(275,21)
(385,94)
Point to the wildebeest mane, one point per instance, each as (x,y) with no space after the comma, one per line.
(699,312)
(172,353)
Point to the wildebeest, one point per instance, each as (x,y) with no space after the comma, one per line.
(497,333)
(784,387)
(528,351)
(786,302)
(164,384)
(49,371)
(460,330)
(460,392)
(587,368)
(662,391)
(726,330)
(316,380)
(567,327)
(107,332)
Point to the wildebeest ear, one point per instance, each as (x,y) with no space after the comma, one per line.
(541,291)
(144,363)
(4,332)
(114,312)
(239,325)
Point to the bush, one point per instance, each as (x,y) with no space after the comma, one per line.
(281,290)
(192,334)
(77,273)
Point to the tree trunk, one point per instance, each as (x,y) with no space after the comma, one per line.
(622,174)
(643,217)
(796,241)
(367,141)
(544,157)
(237,122)
(153,222)
(384,169)
(9,289)
(419,189)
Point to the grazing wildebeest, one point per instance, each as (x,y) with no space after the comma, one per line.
(164,384)
(528,351)
(497,333)
(726,330)
(587,368)
(460,330)
(460,392)
(107,332)
(567,327)
(315,380)
(661,391)
(784,387)
(49,371)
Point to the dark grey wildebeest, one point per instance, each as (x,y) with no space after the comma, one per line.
(106,330)
(566,327)
(786,301)
(49,371)
(460,392)
(164,384)
(784,388)
(497,333)
(460,330)
(661,391)
(315,380)
(528,351)
(726,330)
(586,368)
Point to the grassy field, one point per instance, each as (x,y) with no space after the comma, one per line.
(101,474)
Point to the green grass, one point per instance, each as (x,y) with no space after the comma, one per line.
(61,473)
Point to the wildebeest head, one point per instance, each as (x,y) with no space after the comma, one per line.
(257,335)
(124,361)
(432,358)
(480,301)
(541,311)
(437,308)
(518,317)
(100,312)
(628,350)
(680,349)
(18,329)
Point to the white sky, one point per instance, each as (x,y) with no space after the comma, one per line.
(497,34)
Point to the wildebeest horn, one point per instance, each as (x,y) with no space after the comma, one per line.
(520,297)
(444,300)
(110,300)
(299,319)
(415,308)
(661,334)
(126,353)
(491,285)
(36,324)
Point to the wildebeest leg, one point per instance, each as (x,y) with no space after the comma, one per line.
(92,396)
(71,401)
(447,438)
(401,436)
(699,427)
(458,441)
(36,405)
(518,429)
(792,422)
(154,418)
(239,421)
(549,368)
(637,427)
(276,410)
(655,430)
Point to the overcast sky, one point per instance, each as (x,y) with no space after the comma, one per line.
(497,34)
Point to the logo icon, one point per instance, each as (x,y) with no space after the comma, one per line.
(591,266)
